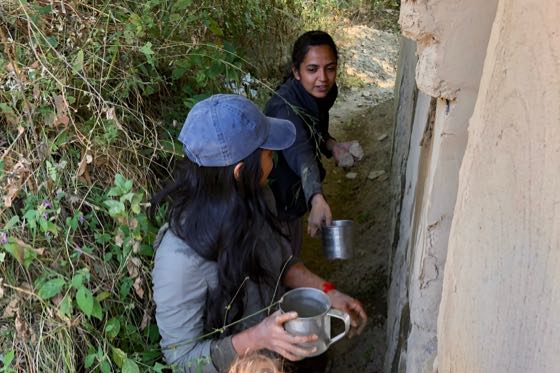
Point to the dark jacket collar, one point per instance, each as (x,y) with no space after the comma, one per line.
(293,91)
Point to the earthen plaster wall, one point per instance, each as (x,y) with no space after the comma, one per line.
(451,38)
(501,294)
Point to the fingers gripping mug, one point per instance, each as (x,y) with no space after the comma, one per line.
(314,317)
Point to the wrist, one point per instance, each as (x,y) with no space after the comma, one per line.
(247,341)
(317,198)
(258,336)
(328,287)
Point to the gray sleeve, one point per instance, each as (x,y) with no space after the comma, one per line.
(301,155)
(222,353)
(180,292)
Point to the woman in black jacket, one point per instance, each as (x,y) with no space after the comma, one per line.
(305,99)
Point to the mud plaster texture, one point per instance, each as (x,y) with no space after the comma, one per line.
(499,309)
(363,112)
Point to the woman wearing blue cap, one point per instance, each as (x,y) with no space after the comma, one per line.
(305,99)
(223,260)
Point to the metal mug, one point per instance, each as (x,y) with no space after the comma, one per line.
(337,239)
(314,317)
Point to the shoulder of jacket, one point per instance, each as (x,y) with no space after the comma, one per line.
(173,246)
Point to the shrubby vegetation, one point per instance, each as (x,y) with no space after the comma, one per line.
(92,96)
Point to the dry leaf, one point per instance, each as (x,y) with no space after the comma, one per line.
(146,318)
(28,108)
(39,251)
(15,178)
(119,238)
(133,223)
(10,194)
(10,309)
(81,167)
(112,116)
(133,266)
(138,289)
(111,113)
(61,119)
(13,119)
(60,104)
(36,93)
(57,299)
(22,166)
(100,160)
(20,247)
(21,327)
(1,288)
(86,159)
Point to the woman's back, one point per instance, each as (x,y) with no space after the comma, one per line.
(183,279)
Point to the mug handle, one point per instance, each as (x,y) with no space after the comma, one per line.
(342,316)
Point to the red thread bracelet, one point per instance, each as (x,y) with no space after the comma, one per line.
(328,286)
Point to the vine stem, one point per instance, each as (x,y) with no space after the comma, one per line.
(221,330)
(228,307)
(174,346)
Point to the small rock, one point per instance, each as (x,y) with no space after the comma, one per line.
(375,174)
(382,137)
(351,175)
(346,160)
(356,150)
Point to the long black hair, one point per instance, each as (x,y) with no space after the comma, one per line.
(222,219)
(302,45)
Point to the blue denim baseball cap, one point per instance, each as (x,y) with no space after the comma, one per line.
(224,129)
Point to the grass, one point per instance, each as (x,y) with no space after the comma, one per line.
(93,96)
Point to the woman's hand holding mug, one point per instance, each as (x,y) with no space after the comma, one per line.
(319,215)
(351,306)
(270,334)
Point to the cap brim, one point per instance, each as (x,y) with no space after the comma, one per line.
(281,135)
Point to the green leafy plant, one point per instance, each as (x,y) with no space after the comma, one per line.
(7,359)
(93,96)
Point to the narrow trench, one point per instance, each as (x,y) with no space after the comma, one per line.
(367,203)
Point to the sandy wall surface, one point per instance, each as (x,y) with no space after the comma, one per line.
(451,37)
(501,293)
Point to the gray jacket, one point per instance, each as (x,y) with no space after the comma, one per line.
(181,282)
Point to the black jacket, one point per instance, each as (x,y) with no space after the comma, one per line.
(298,171)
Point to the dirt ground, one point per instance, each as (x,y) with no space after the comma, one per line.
(363,112)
